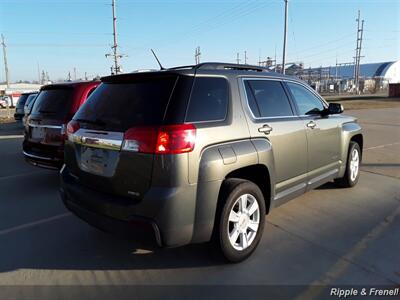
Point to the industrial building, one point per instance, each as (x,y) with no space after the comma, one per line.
(374,77)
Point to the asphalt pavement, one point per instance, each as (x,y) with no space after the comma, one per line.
(327,237)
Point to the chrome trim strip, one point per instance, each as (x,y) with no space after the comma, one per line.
(46,126)
(62,168)
(37,156)
(290,191)
(323,176)
(98,139)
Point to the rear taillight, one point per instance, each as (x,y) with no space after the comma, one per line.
(72,127)
(170,139)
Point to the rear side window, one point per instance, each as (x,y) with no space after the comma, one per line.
(119,106)
(209,100)
(267,98)
(30,99)
(55,103)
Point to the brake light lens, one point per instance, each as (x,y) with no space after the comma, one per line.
(170,139)
(72,127)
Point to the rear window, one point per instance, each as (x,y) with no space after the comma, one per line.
(209,100)
(30,99)
(21,101)
(55,103)
(119,106)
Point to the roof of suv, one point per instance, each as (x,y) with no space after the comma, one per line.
(69,84)
(207,67)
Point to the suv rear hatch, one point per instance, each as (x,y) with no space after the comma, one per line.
(111,139)
(52,109)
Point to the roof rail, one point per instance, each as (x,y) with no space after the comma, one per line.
(222,66)
(183,67)
(230,66)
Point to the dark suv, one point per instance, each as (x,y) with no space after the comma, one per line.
(203,152)
(45,127)
(19,109)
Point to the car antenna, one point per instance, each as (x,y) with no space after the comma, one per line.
(161,67)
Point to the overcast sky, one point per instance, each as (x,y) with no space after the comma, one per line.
(61,35)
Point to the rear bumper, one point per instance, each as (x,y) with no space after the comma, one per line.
(42,161)
(168,212)
(43,156)
(140,228)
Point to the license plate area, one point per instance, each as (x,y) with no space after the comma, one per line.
(94,160)
(38,133)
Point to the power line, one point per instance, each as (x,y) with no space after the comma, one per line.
(221,19)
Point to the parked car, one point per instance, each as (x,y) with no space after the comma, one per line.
(53,108)
(203,153)
(28,107)
(5,101)
(19,109)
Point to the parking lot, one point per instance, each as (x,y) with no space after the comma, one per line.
(329,236)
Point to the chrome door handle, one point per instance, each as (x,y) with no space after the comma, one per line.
(311,124)
(265,129)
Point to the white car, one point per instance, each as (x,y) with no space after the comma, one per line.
(4,100)
(3,103)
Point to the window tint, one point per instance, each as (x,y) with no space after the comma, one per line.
(209,100)
(30,99)
(267,98)
(120,106)
(53,102)
(306,101)
(22,100)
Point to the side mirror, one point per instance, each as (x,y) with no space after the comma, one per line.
(335,108)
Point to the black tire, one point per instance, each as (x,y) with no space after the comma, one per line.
(232,189)
(347,181)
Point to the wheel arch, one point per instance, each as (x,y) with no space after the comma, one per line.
(351,131)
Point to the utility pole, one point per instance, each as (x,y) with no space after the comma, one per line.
(43,80)
(237,58)
(69,76)
(245,57)
(358,56)
(197,54)
(285,37)
(3,43)
(38,72)
(116,68)
(86,78)
(74,73)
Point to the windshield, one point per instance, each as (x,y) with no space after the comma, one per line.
(119,106)
(22,100)
(55,102)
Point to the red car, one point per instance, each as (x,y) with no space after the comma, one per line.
(54,107)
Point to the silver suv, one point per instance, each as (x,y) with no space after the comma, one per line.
(203,153)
